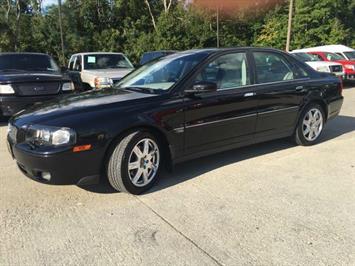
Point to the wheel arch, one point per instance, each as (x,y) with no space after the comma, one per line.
(158,133)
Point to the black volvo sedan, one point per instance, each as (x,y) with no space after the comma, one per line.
(29,78)
(179,107)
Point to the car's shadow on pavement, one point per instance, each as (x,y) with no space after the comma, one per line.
(348,85)
(191,169)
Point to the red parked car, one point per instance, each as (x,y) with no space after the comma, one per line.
(348,65)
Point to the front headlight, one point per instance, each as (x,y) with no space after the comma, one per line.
(103,82)
(68,86)
(12,132)
(351,67)
(50,136)
(323,69)
(6,89)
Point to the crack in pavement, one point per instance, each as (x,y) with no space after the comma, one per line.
(179,232)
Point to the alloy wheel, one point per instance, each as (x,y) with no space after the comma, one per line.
(312,124)
(143,162)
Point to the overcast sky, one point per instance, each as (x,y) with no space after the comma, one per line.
(50,2)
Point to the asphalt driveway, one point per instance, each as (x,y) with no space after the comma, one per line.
(270,204)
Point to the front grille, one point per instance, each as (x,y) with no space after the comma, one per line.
(337,68)
(32,89)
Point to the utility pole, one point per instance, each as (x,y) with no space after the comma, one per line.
(289,28)
(217,18)
(61,28)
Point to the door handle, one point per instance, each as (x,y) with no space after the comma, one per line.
(249,94)
(299,88)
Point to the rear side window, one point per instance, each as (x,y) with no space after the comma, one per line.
(272,67)
(227,71)
(333,57)
(318,56)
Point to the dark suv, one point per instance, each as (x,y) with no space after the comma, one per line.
(28,78)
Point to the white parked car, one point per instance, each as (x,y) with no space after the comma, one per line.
(344,51)
(98,70)
(321,66)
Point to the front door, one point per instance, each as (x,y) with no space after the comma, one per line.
(224,117)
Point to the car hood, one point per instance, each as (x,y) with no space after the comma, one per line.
(346,62)
(322,63)
(109,73)
(77,104)
(29,76)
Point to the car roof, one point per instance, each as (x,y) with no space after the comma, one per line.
(22,53)
(90,53)
(327,48)
(216,50)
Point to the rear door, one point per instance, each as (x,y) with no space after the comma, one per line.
(224,117)
(280,87)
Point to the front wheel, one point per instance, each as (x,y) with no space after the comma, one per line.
(134,163)
(310,125)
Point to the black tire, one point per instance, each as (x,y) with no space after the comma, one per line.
(299,137)
(117,166)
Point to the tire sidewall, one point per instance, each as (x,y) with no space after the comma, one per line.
(299,131)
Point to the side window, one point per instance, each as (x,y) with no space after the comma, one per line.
(341,55)
(71,63)
(228,72)
(272,67)
(77,64)
(318,56)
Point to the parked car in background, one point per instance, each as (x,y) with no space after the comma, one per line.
(150,56)
(28,78)
(182,106)
(98,70)
(348,66)
(344,51)
(319,65)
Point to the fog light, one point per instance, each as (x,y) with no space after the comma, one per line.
(46,176)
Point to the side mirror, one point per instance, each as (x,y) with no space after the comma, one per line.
(202,87)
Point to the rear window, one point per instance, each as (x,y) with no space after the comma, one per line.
(27,62)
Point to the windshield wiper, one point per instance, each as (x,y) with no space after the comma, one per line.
(42,69)
(139,89)
(144,90)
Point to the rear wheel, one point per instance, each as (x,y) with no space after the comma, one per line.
(134,163)
(310,126)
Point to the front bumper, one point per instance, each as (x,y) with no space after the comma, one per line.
(65,167)
(11,104)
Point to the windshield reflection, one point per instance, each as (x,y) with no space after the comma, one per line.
(162,74)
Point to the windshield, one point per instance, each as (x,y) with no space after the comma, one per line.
(304,57)
(350,55)
(333,57)
(163,73)
(27,62)
(106,61)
